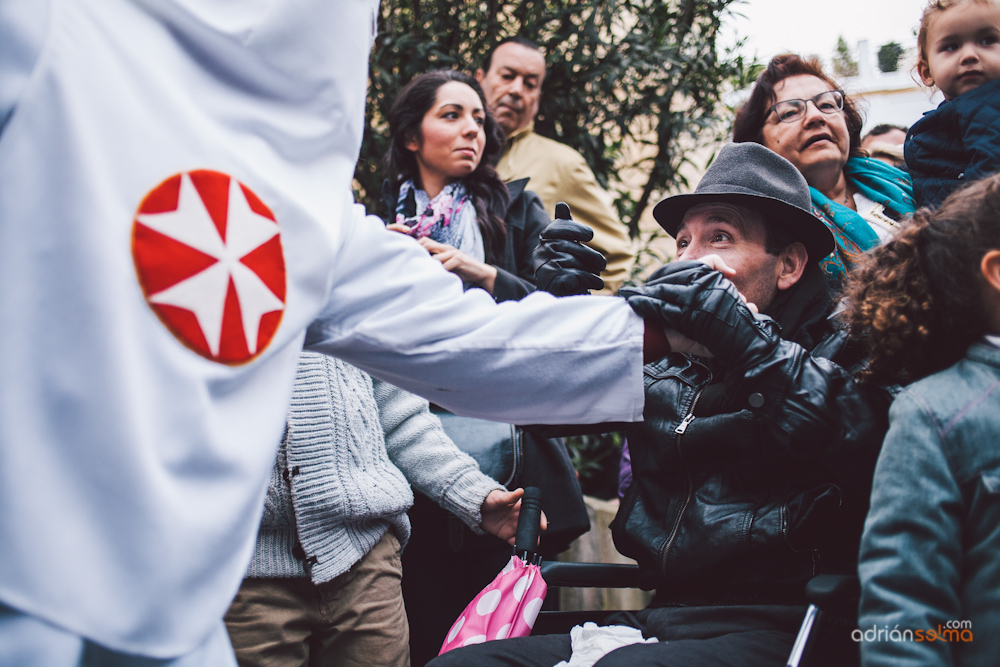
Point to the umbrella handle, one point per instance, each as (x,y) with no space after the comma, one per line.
(529,525)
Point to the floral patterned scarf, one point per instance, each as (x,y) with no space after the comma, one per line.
(449,218)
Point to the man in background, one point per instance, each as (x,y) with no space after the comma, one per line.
(884,133)
(885,142)
(512,80)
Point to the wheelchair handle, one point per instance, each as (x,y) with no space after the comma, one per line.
(529,526)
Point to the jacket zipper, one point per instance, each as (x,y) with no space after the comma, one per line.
(680,430)
(683,426)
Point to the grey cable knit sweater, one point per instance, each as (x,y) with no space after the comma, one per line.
(339,482)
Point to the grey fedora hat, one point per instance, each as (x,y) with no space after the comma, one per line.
(748,174)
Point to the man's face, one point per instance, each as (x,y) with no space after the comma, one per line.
(893,137)
(736,234)
(513,85)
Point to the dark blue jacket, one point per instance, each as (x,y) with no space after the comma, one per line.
(955,144)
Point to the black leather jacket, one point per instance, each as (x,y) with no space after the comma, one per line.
(744,487)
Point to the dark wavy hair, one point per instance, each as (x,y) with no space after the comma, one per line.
(750,117)
(916,302)
(489,193)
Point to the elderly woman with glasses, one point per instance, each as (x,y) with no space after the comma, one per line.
(800,113)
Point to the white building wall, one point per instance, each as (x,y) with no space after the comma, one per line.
(897,98)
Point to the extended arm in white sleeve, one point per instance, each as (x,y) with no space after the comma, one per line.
(396,313)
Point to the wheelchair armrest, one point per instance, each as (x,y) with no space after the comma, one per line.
(590,575)
(840,591)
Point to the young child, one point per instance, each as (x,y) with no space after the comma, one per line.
(928,305)
(959,142)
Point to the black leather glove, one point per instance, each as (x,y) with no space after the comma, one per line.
(563,265)
(703,305)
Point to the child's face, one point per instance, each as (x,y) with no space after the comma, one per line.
(963,48)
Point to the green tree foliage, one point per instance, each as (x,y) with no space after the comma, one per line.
(888,56)
(844,63)
(631,83)
(595,459)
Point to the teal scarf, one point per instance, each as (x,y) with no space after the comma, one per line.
(881,183)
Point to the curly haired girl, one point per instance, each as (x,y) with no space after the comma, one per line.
(928,305)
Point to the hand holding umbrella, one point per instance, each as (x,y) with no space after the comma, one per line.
(500,513)
(509,605)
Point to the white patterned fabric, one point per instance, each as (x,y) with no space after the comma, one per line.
(591,642)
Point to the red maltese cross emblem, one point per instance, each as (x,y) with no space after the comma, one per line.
(208,254)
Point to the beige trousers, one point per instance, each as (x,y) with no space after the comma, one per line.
(354,620)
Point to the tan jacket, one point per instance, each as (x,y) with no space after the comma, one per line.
(559,173)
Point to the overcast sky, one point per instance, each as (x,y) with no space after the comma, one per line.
(812,26)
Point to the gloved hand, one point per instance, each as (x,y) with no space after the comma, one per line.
(563,265)
(704,306)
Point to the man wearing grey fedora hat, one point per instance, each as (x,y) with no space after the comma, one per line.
(752,468)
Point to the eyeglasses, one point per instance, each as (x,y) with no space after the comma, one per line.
(787,111)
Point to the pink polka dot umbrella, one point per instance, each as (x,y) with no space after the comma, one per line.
(509,605)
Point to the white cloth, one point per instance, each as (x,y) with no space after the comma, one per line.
(874,213)
(26,641)
(591,642)
(133,468)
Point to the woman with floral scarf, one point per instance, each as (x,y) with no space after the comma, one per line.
(443,189)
